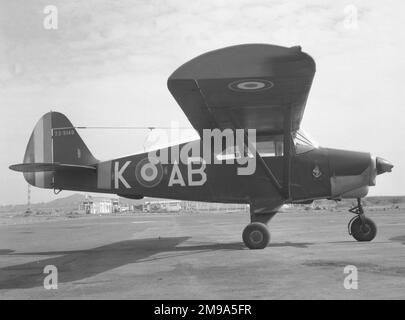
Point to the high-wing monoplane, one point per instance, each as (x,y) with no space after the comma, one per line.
(246,102)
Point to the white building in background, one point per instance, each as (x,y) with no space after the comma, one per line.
(192,206)
(162,206)
(97,205)
(100,205)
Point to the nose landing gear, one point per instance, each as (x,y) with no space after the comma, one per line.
(360,227)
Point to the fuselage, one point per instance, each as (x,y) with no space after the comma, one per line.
(219,167)
(315,174)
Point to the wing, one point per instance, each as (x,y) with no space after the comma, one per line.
(245,86)
(46,167)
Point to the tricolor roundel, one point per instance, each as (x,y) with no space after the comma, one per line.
(251,85)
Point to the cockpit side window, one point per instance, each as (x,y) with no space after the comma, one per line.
(229,153)
(266,146)
(269,146)
(272,146)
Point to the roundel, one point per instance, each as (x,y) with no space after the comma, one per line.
(251,85)
(149,172)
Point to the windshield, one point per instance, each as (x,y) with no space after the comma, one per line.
(303,142)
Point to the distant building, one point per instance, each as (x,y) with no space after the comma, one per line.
(194,206)
(97,205)
(191,206)
(100,205)
(162,206)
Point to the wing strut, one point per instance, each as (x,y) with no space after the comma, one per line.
(267,170)
(285,189)
(253,150)
(287,153)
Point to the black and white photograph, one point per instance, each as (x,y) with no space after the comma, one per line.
(202,155)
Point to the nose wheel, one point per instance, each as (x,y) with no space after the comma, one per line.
(360,227)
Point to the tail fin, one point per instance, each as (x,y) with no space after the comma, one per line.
(53,141)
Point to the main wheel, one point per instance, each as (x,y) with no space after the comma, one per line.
(363,232)
(256,236)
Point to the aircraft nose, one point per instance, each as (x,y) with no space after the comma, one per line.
(383,165)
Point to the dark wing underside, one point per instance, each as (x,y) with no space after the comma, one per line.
(244,86)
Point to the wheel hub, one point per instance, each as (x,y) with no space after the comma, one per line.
(365,229)
(256,236)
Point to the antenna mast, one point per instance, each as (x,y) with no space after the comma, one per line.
(28,211)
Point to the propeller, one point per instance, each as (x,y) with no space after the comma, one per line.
(383,165)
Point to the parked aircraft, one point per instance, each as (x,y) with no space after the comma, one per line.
(246,102)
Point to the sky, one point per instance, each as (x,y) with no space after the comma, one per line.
(107,62)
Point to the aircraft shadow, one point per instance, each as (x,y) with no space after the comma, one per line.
(81,264)
(398,239)
(302,245)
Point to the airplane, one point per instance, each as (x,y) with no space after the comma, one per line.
(254,94)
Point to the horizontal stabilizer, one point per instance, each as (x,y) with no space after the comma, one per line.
(45,167)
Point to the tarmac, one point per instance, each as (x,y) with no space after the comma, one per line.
(202,256)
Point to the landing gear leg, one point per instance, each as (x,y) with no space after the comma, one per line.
(256,235)
(360,227)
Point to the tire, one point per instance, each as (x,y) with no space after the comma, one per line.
(363,233)
(256,235)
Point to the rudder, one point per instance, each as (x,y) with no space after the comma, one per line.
(54,140)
